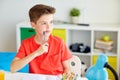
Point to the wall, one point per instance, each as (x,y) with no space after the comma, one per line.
(15,11)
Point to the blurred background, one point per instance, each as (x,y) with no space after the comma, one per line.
(13,12)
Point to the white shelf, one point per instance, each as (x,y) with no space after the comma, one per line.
(106,54)
(81,54)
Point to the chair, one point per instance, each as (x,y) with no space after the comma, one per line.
(75,64)
(6,59)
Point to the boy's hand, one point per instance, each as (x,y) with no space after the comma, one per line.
(42,49)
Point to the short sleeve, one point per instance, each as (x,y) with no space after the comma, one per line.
(66,54)
(21,51)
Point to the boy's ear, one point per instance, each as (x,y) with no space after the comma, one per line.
(32,24)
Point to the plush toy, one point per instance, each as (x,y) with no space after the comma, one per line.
(79,47)
(83,69)
(83,48)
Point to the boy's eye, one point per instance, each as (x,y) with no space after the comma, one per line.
(51,22)
(43,23)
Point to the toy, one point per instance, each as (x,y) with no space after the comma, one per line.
(83,69)
(79,47)
(98,71)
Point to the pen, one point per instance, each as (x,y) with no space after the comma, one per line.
(44,36)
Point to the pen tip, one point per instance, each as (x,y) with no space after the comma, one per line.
(43,32)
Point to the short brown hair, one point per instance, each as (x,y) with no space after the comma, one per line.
(38,10)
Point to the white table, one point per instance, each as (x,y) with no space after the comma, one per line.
(29,76)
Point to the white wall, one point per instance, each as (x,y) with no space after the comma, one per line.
(15,11)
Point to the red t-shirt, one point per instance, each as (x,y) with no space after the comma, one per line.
(49,63)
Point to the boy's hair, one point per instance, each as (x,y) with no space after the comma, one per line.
(38,10)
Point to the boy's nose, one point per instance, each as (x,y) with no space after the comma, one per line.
(48,25)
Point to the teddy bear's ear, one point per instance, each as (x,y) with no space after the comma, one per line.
(83,68)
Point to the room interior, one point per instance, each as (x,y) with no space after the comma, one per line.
(102,17)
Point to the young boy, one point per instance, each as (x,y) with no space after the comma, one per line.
(46,54)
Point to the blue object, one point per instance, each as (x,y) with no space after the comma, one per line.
(98,71)
(6,59)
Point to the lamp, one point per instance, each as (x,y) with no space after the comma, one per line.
(98,71)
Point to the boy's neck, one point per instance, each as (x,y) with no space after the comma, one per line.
(39,40)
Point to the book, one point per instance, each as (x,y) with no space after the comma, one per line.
(107,43)
(103,46)
(96,50)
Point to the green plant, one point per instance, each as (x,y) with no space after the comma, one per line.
(74,12)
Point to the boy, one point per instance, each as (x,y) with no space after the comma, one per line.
(46,54)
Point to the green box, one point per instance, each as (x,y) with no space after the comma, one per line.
(26,32)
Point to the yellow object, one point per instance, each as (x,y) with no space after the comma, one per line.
(2,75)
(112,60)
(61,33)
(106,38)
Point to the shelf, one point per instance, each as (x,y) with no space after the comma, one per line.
(105,54)
(86,35)
(84,54)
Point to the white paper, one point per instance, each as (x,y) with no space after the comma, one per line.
(40,77)
(34,78)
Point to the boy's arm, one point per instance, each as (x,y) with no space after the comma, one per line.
(18,63)
(67,69)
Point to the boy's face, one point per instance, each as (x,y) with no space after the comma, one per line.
(43,24)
